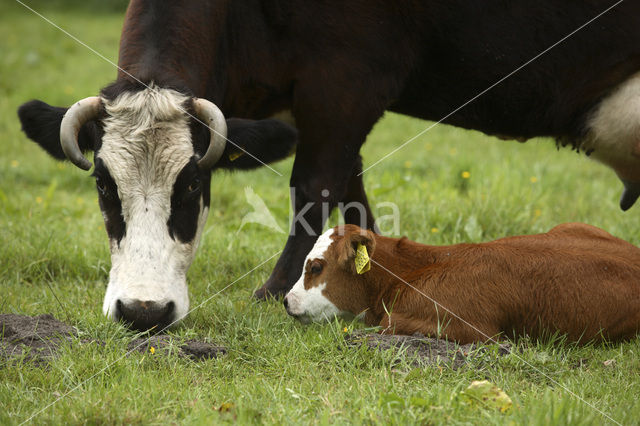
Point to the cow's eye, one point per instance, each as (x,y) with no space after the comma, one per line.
(194,186)
(316,268)
(102,187)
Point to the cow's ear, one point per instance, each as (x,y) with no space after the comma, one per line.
(41,124)
(253,143)
(355,249)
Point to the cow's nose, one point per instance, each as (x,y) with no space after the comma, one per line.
(145,315)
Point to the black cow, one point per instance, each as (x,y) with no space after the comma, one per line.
(336,66)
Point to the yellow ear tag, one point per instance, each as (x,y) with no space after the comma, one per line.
(362,259)
(235,155)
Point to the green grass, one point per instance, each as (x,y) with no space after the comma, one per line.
(52,242)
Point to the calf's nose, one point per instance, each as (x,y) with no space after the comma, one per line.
(145,315)
(287,308)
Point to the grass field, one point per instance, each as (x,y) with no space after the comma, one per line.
(54,258)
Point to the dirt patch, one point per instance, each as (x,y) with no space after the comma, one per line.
(164,343)
(425,350)
(38,339)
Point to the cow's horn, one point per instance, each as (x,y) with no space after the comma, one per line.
(630,194)
(81,112)
(213,118)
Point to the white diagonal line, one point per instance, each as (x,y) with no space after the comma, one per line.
(493,85)
(136,79)
(490,338)
(144,342)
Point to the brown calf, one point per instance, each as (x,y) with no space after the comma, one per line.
(576,280)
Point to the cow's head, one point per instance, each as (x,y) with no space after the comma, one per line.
(153,160)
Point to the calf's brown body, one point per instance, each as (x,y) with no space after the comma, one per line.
(576,280)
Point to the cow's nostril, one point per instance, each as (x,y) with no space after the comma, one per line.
(286,303)
(145,315)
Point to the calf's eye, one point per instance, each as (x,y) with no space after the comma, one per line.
(316,268)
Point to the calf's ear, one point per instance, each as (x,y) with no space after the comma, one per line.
(349,247)
(253,143)
(41,124)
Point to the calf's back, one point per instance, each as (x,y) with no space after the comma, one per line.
(576,280)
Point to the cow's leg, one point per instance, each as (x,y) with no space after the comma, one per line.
(354,205)
(316,188)
(324,173)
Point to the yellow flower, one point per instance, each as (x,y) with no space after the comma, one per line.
(227,406)
(428,146)
(434,230)
(408,164)
(465,175)
(152,349)
(453,151)
(537,212)
(533,179)
(39,200)
(345,330)
(14,163)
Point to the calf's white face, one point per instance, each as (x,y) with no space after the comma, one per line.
(154,202)
(308,303)
(329,286)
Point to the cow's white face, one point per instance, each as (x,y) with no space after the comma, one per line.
(155,150)
(154,200)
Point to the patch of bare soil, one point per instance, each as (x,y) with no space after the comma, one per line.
(38,338)
(425,350)
(191,348)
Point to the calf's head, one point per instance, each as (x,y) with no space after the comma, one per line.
(153,160)
(330,285)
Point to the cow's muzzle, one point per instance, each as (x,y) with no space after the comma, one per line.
(145,315)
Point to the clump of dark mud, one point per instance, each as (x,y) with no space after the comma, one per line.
(38,339)
(422,350)
(164,343)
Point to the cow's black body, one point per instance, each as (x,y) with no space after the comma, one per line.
(338,65)
(421,58)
